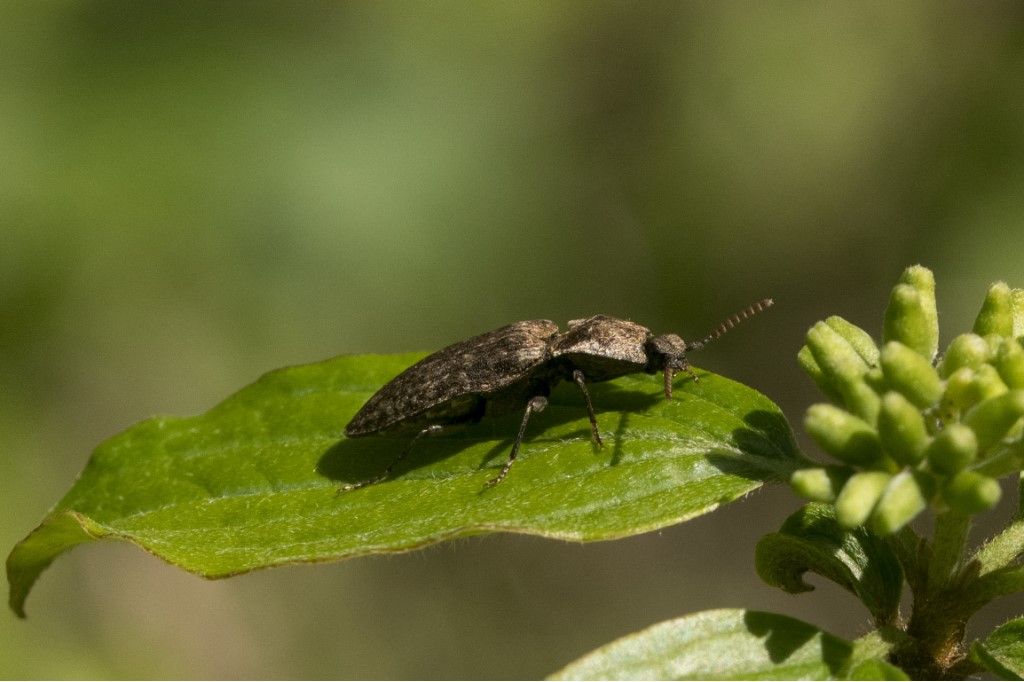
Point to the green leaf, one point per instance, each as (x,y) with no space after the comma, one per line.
(995,564)
(254,482)
(877,645)
(875,669)
(991,585)
(857,560)
(721,644)
(1002,652)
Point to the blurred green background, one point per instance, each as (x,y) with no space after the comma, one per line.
(194,193)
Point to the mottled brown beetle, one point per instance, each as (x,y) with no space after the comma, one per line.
(517,365)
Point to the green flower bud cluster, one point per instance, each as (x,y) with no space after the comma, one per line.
(911,429)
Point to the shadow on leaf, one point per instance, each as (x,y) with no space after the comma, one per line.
(785,636)
(356,459)
(758,457)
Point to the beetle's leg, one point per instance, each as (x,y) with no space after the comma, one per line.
(670,374)
(536,404)
(580,380)
(428,431)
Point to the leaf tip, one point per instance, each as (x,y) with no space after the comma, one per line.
(59,532)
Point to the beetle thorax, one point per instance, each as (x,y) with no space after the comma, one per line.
(668,348)
(602,347)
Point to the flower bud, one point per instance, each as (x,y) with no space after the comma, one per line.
(923,280)
(992,418)
(875,379)
(843,368)
(1009,362)
(858,497)
(986,384)
(859,339)
(837,358)
(994,341)
(901,429)
(954,448)
(902,500)
(820,484)
(996,315)
(907,322)
(1005,458)
(966,387)
(810,365)
(957,387)
(966,350)
(970,492)
(862,400)
(910,374)
(843,435)
(1017,298)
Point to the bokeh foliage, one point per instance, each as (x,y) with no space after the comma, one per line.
(198,192)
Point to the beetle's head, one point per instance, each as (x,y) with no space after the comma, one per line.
(667,353)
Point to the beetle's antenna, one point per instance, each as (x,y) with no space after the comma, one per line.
(731,322)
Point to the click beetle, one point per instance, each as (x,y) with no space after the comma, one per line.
(515,367)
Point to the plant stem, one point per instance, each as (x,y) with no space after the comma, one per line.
(907,546)
(948,546)
(936,631)
(937,620)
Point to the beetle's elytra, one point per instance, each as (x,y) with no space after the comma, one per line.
(515,367)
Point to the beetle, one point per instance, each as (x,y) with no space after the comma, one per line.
(516,366)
